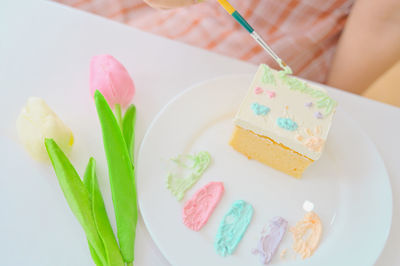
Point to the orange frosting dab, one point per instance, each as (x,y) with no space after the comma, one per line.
(307,234)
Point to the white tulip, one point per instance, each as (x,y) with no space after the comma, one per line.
(37,122)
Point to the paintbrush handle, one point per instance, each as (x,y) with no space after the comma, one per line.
(232,11)
(266,47)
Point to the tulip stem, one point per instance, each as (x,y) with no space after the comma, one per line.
(118,114)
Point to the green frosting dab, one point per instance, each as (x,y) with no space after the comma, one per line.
(196,164)
(232,227)
(268,76)
(286,70)
(323,101)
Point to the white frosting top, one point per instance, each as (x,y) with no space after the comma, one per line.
(287,110)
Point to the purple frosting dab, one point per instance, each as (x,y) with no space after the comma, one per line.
(308,104)
(270,239)
(319,115)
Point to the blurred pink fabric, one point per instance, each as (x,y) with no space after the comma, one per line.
(304,33)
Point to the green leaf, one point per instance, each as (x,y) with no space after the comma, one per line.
(128,126)
(104,228)
(121,175)
(76,195)
(118,114)
(88,176)
(87,181)
(95,257)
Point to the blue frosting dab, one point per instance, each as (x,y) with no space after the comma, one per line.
(260,109)
(232,227)
(287,123)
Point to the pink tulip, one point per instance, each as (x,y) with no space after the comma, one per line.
(112,79)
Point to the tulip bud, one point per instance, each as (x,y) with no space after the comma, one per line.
(37,122)
(112,79)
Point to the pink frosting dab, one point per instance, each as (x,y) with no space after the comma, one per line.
(258,90)
(112,79)
(199,208)
(271,94)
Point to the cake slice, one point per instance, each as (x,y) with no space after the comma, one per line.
(283,122)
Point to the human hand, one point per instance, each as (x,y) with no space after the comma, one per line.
(167,4)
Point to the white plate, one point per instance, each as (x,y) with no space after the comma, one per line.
(349,185)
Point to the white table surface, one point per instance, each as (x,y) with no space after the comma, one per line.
(44,44)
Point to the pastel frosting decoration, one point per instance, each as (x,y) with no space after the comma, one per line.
(112,79)
(307,234)
(268,76)
(258,90)
(319,115)
(311,138)
(199,208)
(271,94)
(260,109)
(232,227)
(195,164)
(294,107)
(270,239)
(287,123)
(35,123)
